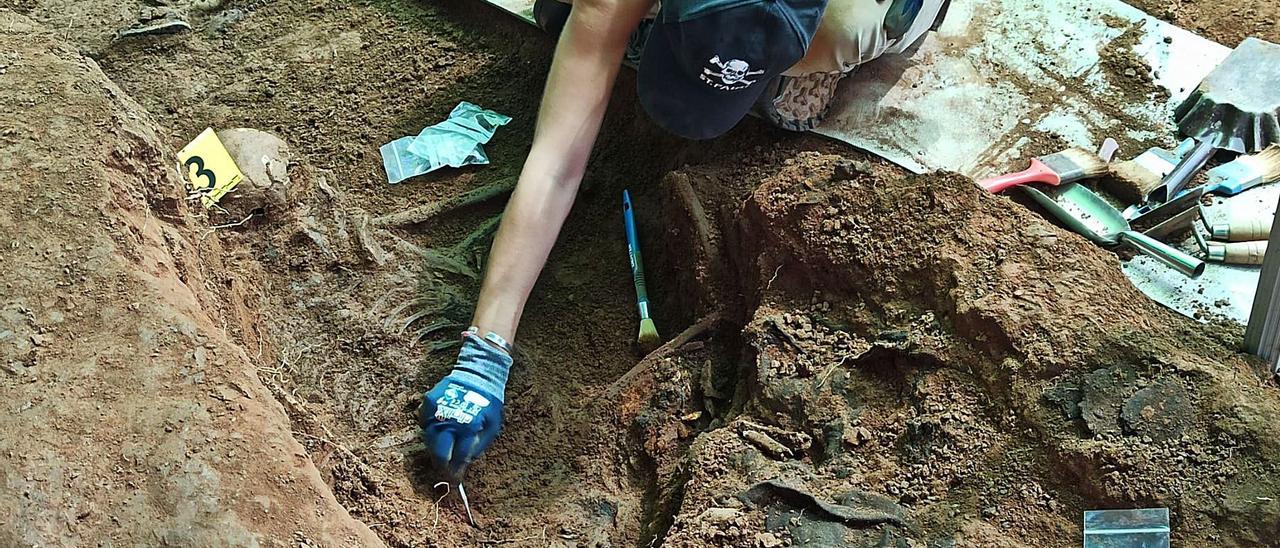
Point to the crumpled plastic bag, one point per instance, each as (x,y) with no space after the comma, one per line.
(455,142)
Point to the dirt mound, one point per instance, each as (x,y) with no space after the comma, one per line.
(915,338)
(132,415)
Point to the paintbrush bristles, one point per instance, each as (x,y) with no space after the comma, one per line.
(648,338)
(1075,164)
(1087,162)
(1131,181)
(1266,163)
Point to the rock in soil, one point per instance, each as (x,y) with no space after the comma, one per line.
(263,158)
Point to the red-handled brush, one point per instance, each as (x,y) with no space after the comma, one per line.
(1068,166)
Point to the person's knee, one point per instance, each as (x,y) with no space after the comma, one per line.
(551,15)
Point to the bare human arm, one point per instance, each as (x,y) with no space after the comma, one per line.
(582,74)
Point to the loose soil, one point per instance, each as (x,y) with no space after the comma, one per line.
(855,356)
(1227,23)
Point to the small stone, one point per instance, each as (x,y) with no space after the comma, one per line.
(718,515)
(856,436)
(847,170)
(768,540)
(768,445)
(893,336)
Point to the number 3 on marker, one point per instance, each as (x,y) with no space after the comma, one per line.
(208,168)
(201,171)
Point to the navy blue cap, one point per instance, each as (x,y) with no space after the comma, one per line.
(706,61)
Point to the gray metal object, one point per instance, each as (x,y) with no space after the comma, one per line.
(466,503)
(1262,336)
(1091,216)
(1159,162)
(1167,210)
(1236,107)
(1177,223)
(1176,180)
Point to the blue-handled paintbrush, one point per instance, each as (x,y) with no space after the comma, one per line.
(1245,173)
(648,337)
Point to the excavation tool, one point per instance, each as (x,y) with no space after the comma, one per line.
(1068,166)
(1247,250)
(1144,174)
(1091,216)
(1241,228)
(466,503)
(1150,214)
(1132,180)
(1239,253)
(410,446)
(648,338)
(1234,108)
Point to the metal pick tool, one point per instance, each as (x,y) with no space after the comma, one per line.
(466,504)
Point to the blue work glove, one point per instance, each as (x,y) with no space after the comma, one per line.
(462,414)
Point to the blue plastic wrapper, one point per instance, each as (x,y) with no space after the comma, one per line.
(455,142)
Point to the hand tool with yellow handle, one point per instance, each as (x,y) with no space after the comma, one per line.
(1242,228)
(1243,253)
(1236,252)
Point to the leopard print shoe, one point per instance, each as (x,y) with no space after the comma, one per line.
(798,103)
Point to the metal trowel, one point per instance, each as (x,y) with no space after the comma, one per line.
(1092,217)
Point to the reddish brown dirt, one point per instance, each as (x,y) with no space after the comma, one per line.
(1227,22)
(933,343)
(132,415)
(856,330)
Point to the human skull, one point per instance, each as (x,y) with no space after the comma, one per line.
(734,71)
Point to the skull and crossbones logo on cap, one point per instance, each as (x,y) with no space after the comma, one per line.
(735,71)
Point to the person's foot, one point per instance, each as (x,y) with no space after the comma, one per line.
(798,103)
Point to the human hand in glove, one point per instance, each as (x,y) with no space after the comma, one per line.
(462,414)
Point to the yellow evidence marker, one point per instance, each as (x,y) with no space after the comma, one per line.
(208,167)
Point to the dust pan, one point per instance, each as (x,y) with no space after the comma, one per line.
(1091,216)
(1140,528)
